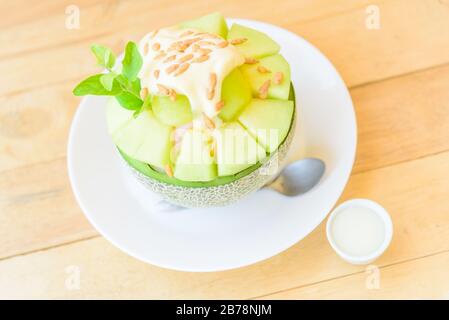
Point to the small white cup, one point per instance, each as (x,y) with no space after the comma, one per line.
(376,208)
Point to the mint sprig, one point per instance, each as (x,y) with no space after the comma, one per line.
(125,86)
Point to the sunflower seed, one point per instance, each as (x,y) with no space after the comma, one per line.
(182,68)
(212,80)
(208,122)
(210,94)
(250,60)
(172,95)
(263,90)
(262,69)
(191,41)
(172,68)
(222,44)
(156,46)
(219,105)
(238,41)
(185,58)
(170,58)
(182,47)
(200,59)
(144,93)
(168,170)
(278,77)
(204,51)
(163,89)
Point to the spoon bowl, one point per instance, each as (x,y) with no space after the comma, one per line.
(299,177)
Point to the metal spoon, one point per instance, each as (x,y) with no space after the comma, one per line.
(298,177)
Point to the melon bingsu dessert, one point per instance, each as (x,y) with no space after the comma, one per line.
(201,114)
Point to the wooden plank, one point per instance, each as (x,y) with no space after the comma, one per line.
(38,209)
(424,278)
(415,193)
(402,118)
(367,55)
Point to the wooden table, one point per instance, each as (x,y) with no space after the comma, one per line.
(398,75)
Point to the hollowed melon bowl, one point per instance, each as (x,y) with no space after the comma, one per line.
(257,96)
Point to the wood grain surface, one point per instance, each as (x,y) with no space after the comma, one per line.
(398,77)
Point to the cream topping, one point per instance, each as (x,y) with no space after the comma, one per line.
(188,62)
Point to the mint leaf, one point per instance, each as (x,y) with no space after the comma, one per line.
(132,62)
(129,101)
(105,56)
(125,87)
(92,85)
(135,86)
(107,80)
(131,86)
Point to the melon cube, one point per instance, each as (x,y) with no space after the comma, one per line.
(195,161)
(116,115)
(257,45)
(268,120)
(236,93)
(145,139)
(267,69)
(172,113)
(236,149)
(213,23)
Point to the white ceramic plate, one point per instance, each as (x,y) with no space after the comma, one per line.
(254,229)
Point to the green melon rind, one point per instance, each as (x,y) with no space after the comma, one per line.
(148,171)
